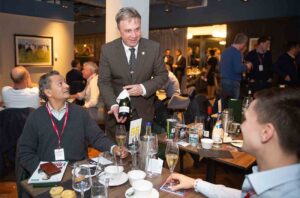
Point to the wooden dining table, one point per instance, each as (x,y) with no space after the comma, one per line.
(240,159)
(113,192)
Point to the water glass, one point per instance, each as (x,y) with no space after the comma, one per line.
(133,148)
(152,149)
(98,190)
(81,180)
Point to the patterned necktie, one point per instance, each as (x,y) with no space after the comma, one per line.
(132,59)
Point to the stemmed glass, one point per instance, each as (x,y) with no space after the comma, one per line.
(121,138)
(152,149)
(133,148)
(172,153)
(81,180)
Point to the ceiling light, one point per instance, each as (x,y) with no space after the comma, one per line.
(222,42)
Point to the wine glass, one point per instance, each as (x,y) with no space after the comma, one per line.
(81,180)
(121,138)
(152,149)
(133,148)
(172,153)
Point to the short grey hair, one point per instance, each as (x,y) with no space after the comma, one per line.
(44,83)
(92,66)
(127,13)
(240,38)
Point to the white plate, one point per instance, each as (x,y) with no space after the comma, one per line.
(154,193)
(237,143)
(121,180)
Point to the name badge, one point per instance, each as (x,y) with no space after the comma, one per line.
(260,68)
(59,154)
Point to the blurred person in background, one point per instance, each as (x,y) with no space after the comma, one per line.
(168,58)
(286,67)
(260,77)
(179,66)
(212,64)
(232,67)
(23,93)
(75,79)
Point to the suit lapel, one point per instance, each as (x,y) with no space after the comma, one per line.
(141,56)
(123,63)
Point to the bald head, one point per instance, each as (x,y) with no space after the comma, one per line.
(19,74)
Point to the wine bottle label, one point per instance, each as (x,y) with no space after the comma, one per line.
(124,109)
(206,133)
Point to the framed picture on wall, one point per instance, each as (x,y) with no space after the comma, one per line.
(33,50)
(85,50)
(252,43)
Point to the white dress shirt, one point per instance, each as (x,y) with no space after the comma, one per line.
(278,182)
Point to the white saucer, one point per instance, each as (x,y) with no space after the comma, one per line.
(237,143)
(121,180)
(154,193)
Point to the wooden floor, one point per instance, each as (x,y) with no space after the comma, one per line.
(225,175)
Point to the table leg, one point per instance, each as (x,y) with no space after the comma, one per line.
(211,171)
(181,155)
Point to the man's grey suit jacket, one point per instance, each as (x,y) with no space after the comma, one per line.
(114,73)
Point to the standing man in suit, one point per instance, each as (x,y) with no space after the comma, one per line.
(131,63)
(168,58)
(179,66)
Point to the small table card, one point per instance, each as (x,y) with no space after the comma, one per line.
(155,165)
(135,129)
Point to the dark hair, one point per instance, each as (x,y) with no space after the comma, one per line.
(240,38)
(292,44)
(281,108)
(263,39)
(75,62)
(179,51)
(127,13)
(44,83)
(212,52)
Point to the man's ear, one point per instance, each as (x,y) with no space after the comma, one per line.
(267,133)
(48,92)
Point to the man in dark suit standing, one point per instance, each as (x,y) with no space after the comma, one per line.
(180,66)
(131,63)
(168,59)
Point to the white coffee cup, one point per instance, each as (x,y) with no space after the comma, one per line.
(206,143)
(114,172)
(136,175)
(142,188)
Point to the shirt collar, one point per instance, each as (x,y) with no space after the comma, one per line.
(59,111)
(265,180)
(91,77)
(291,55)
(127,47)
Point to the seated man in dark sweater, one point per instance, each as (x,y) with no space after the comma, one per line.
(59,130)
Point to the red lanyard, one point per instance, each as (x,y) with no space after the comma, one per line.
(260,58)
(54,125)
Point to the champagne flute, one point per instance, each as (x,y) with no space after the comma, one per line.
(81,180)
(152,149)
(172,153)
(121,138)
